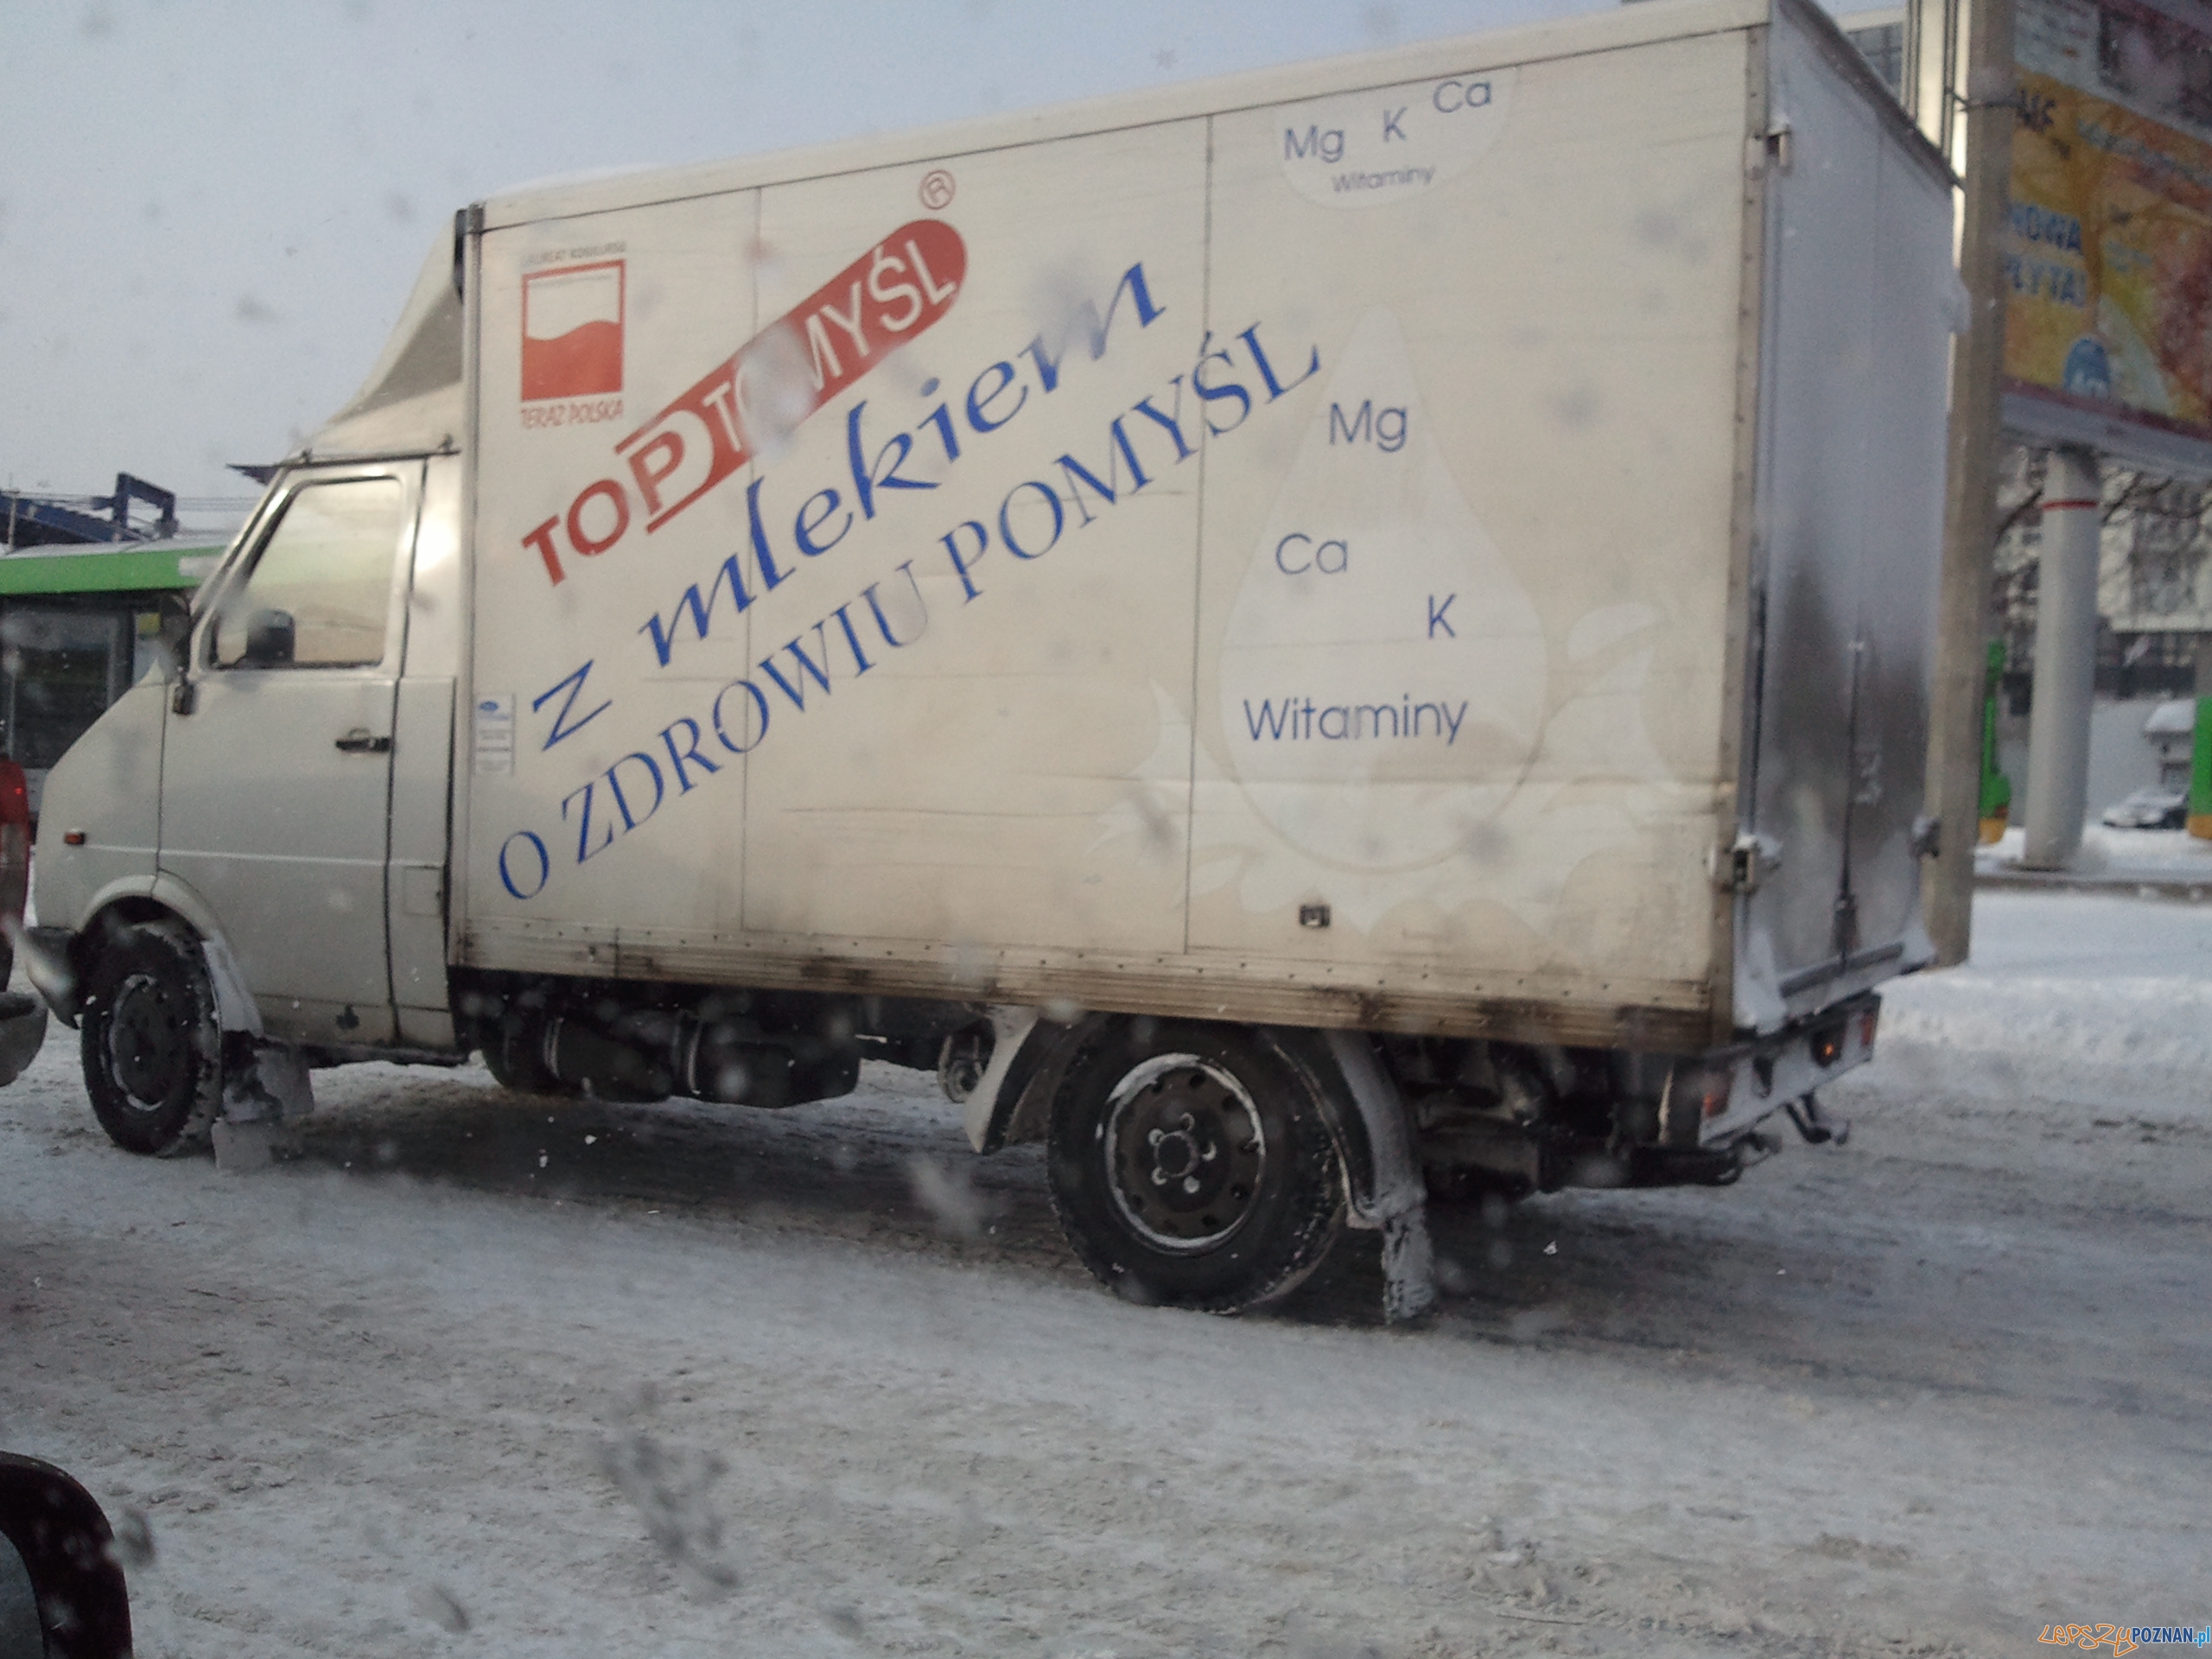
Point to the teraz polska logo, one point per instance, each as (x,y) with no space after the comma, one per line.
(572,330)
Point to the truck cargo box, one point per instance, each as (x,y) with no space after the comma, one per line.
(1443,541)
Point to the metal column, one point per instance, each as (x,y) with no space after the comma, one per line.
(2200,757)
(1970,530)
(2066,661)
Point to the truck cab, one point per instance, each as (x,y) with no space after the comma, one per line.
(248,850)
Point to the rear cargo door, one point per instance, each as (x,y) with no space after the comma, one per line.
(1849,527)
(1900,562)
(277,785)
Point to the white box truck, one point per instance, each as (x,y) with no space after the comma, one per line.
(1356,629)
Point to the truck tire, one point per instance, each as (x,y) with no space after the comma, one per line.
(151,1040)
(1191,1166)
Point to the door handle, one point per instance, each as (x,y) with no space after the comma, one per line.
(358,741)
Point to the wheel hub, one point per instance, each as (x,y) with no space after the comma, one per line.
(1176,1152)
(1184,1151)
(145,1041)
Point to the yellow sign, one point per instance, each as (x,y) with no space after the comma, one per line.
(2109,256)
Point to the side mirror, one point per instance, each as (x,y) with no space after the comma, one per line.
(61,1592)
(270,638)
(176,658)
(176,632)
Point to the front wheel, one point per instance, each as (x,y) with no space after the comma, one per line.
(152,1041)
(1193,1166)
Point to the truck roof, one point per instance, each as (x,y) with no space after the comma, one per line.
(411,400)
(1623,26)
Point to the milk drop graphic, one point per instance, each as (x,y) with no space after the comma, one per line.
(1382,675)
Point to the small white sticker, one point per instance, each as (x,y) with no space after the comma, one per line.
(1363,150)
(495,735)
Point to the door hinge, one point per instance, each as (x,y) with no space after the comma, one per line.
(1769,151)
(1743,863)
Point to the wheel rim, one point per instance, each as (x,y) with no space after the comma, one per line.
(145,1043)
(1185,1152)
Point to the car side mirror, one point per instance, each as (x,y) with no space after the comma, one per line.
(176,633)
(176,658)
(270,638)
(62,1592)
(21,1631)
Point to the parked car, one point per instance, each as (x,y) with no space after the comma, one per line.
(2150,808)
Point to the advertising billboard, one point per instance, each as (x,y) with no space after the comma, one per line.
(2108,331)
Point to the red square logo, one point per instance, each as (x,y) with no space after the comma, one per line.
(572,331)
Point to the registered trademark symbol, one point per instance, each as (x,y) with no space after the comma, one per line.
(937,189)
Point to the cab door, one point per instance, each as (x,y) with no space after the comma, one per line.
(278,760)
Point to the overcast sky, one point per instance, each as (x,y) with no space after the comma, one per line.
(210,213)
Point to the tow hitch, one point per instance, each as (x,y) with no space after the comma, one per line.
(1817,1130)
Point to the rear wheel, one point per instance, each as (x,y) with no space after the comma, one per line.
(1193,1166)
(151,1040)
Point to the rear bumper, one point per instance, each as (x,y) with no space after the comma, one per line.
(1714,1098)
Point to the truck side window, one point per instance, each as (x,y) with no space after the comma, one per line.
(320,593)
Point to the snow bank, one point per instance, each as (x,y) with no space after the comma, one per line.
(2113,854)
(2144,1021)
(2071,997)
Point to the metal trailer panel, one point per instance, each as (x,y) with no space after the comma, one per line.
(1115,762)
(1622,27)
(1861,294)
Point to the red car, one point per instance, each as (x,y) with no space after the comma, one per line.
(23,1016)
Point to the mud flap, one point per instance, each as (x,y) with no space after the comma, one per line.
(1010,1029)
(1399,1201)
(275,1085)
(275,1088)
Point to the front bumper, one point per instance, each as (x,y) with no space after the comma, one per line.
(22,1032)
(49,963)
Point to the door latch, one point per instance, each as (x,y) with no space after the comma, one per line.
(358,741)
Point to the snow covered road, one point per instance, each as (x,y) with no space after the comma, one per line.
(485,1374)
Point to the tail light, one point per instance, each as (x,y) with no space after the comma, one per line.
(1695,1094)
(15,856)
(1713,1089)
